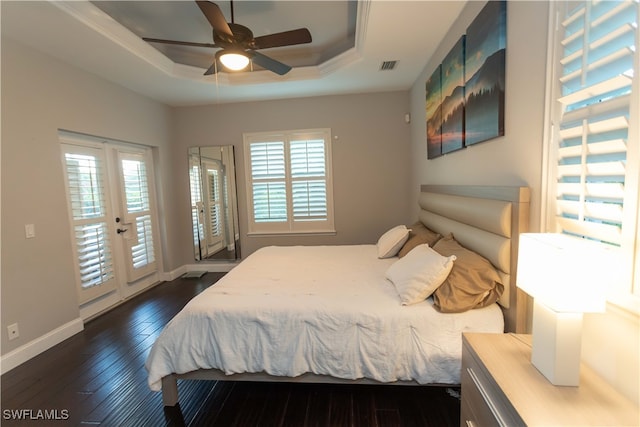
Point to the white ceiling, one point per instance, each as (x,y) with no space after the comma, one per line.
(344,57)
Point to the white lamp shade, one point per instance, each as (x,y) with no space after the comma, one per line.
(565,273)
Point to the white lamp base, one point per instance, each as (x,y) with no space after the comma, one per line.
(557,341)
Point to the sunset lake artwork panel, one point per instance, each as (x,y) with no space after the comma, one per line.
(433,114)
(485,74)
(453,90)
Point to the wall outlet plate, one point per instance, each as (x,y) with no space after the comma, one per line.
(13,331)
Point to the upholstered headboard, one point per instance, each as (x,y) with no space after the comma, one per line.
(488,220)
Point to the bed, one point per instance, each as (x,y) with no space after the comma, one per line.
(337,314)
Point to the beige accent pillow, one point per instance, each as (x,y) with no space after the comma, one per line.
(390,242)
(418,274)
(472,283)
(419,235)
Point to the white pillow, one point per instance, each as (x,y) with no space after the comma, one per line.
(390,243)
(419,273)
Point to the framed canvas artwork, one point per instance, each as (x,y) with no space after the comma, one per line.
(485,74)
(465,95)
(453,98)
(433,112)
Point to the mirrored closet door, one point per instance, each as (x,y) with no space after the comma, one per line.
(214,210)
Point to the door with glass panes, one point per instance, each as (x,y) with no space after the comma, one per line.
(112,216)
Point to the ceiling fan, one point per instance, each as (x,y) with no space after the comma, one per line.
(238,44)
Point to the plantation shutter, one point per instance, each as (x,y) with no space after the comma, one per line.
(92,244)
(214,202)
(196,204)
(290,180)
(594,70)
(214,177)
(269,186)
(137,215)
(309,186)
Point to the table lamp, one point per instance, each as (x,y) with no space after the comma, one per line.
(566,276)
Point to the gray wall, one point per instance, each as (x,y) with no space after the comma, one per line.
(39,96)
(516,158)
(37,276)
(370,158)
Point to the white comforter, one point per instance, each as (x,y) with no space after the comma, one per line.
(328,310)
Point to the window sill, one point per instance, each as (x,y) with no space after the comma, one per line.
(291,233)
(624,304)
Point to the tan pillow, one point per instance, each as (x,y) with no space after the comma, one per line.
(472,283)
(419,235)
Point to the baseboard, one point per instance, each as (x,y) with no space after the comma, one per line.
(213,267)
(33,348)
(168,276)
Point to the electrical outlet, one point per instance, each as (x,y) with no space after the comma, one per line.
(13,331)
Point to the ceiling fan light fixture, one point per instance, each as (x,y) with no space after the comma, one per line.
(238,44)
(233,60)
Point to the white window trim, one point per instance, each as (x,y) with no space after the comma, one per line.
(623,298)
(289,228)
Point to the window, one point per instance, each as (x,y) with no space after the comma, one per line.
(85,176)
(289,177)
(137,208)
(594,158)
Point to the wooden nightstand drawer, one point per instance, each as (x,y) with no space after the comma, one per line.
(467,416)
(500,386)
(485,403)
(475,411)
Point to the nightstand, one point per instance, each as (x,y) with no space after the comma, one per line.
(500,387)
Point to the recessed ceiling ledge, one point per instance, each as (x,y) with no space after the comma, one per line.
(103,24)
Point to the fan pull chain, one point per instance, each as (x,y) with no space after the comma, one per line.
(217,87)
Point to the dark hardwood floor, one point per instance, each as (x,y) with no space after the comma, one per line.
(97,377)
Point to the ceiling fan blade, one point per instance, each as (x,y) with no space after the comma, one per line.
(147,39)
(212,70)
(286,38)
(270,63)
(215,17)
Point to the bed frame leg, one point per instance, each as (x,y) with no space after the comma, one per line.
(170,390)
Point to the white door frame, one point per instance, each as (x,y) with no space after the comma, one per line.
(115,200)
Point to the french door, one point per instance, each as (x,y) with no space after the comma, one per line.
(112,216)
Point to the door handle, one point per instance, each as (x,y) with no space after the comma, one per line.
(121,230)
